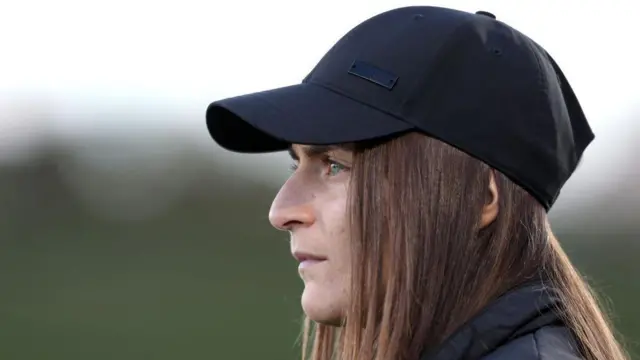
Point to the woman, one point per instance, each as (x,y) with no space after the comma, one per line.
(428,146)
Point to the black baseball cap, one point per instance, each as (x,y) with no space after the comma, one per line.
(463,78)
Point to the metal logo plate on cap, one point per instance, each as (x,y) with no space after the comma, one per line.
(374,74)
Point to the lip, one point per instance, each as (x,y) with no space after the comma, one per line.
(307,259)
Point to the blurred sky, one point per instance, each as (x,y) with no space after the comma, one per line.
(141,70)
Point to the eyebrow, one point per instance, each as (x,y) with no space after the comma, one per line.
(312,150)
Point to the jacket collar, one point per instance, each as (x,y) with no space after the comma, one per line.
(518,312)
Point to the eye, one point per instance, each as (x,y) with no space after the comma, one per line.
(330,167)
(335,168)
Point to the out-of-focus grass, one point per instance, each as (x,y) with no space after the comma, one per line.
(208,279)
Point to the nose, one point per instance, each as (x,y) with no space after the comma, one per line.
(287,215)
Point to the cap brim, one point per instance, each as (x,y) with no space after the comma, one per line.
(300,114)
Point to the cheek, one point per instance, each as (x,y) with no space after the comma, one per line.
(336,231)
(339,249)
(333,210)
(334,277)
(326,293)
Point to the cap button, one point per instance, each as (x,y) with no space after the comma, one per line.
(485,13)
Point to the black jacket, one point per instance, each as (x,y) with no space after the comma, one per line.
(521,325)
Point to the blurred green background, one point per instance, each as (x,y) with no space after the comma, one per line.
(202,276)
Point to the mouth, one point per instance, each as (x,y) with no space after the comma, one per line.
(306,260)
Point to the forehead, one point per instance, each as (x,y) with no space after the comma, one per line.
(298,150)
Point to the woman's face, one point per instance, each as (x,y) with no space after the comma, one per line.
(311,205)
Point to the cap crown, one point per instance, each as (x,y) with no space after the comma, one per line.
(469,80)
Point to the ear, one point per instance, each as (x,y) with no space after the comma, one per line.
(490,210)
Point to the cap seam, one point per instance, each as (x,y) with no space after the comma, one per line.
(544,84)
(330,87)
(541,79)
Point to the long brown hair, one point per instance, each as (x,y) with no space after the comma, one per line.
(421,266)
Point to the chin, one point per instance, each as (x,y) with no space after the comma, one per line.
(321,308)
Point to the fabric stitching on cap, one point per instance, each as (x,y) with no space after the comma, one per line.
(541,80)
(334,89)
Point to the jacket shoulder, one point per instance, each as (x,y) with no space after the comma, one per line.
(547,343)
